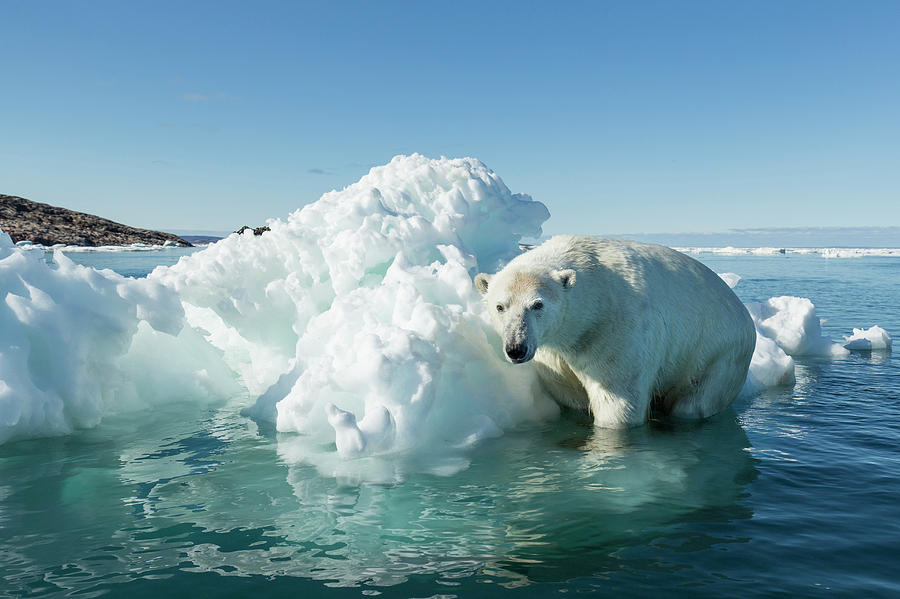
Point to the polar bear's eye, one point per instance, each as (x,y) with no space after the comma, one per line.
(499,307)
(538,305)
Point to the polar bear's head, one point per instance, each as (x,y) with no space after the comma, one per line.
(525,306)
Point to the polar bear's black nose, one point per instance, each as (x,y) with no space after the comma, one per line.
(516,352)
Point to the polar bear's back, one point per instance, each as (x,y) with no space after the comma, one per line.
(657,271)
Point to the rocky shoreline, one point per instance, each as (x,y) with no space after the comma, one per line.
(48,225)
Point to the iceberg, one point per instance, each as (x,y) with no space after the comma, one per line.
(355,321)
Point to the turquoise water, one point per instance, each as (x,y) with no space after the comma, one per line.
(790,493)
(133,263)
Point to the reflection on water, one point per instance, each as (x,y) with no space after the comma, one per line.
(148,500)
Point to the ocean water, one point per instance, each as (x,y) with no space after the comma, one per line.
(793,492)
(129,263)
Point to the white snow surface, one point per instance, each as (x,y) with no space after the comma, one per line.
(874,338)
(354,325)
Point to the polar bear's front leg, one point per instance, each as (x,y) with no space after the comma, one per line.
(612,409)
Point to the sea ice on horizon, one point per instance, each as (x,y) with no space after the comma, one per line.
(792,323)
(825,252)
(88,249)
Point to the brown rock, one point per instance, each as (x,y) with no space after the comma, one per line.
(25,220)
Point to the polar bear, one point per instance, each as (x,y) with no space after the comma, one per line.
(627,331)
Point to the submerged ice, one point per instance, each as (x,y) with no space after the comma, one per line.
(354,322)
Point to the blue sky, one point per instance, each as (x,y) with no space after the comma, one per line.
(622,117)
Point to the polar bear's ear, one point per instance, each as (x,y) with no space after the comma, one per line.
(481,282)
(565,277)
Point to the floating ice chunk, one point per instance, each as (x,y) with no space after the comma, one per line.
(731,279)
(788,326)
(792,323)
(874,338)
(769,367)
(73,344)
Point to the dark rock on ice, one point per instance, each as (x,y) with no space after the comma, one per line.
(257,231)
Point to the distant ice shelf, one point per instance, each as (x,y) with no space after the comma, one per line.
(77,249)
(825,252)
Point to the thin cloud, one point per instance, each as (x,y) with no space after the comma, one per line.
(319,171)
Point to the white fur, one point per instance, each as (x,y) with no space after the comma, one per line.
(621,329)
